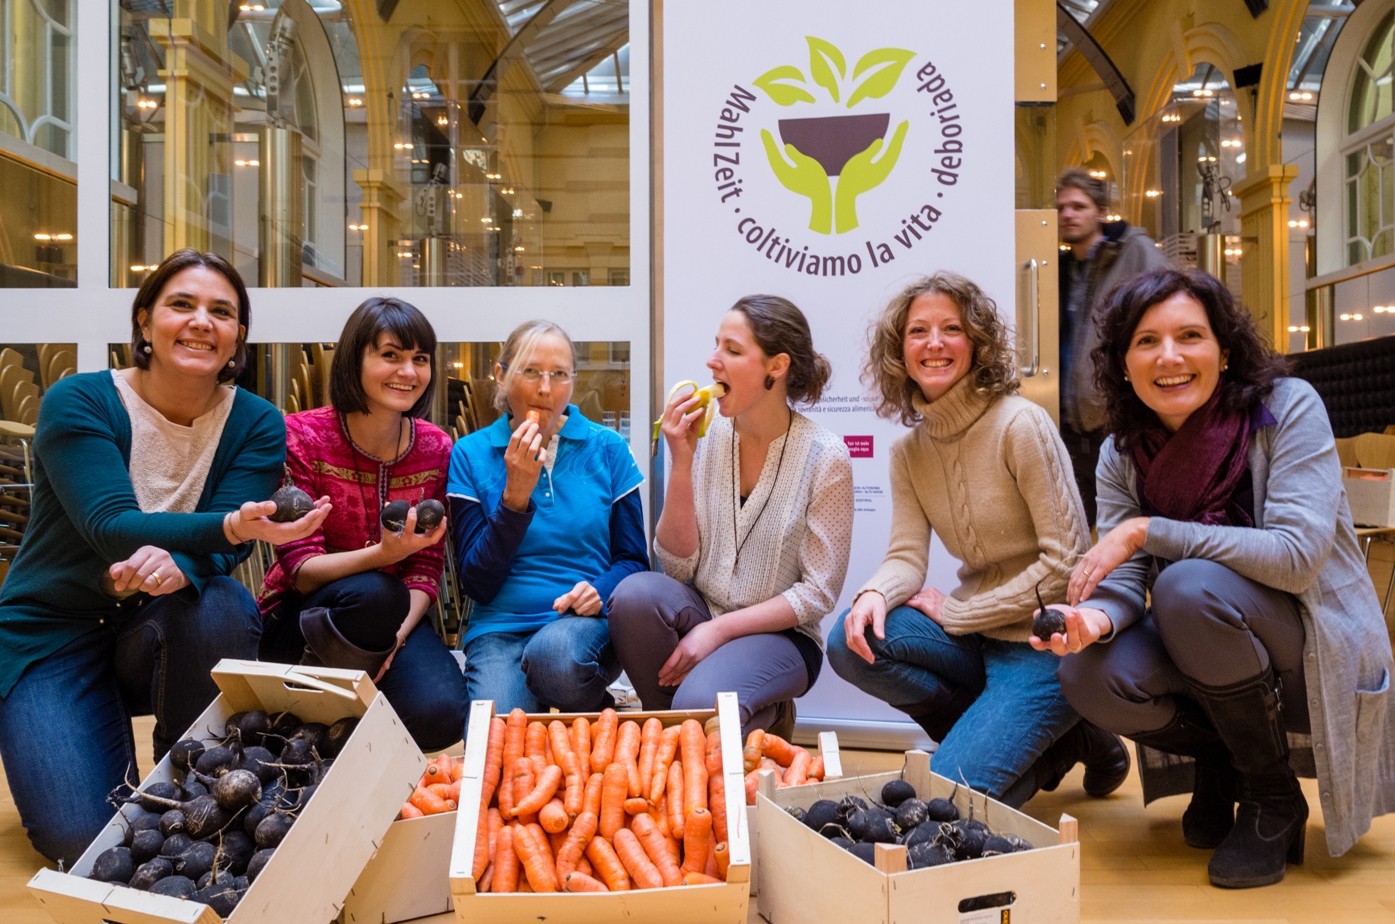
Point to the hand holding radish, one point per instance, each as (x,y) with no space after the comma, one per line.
(394,547)
(583,599)
(151,570)
(250,522)
(701,641)
(869,609)
(1084,626)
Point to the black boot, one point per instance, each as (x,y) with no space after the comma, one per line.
(1104,755)
(938,714)
(784,721)
(325,646)
(1216,786)
(1271,822)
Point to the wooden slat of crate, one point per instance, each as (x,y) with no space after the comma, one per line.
(727,902)
(410,875)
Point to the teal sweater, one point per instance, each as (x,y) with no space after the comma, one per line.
(84,517)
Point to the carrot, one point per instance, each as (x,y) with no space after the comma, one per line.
(668,746)
(438,770)
(578,882)
(700,879)
(582,830)
(697,837)
(410,811)
(768,763)
(581,743)
(554,844)
(613,790)
(544,841)
(713,752)
(778,749)
(543,791)
(690,745)
(583,866)
(505,863)
(537,864)
(710,863)
(751,754)
(515,730)
(493,761)
(816,769)
(547,752)
(645,874)
(636,806)
(496,824)
(603,741)
(486,880)
(608,865)
(752,785)
(627,753)
(428,802)
(798,772)
(591,798)
(440,789)
(717,803)
(553,817)
(575,784)
(484,842)
(652,841)
(723,855)
(535,745)
(649,737)
(675,799)
(523,886)
(523,780)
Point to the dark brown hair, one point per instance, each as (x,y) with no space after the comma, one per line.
(154,284)
(994,367)
(780,327)
(1076,178)
(1251,364)
(412,332)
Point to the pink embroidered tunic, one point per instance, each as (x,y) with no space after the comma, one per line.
(323,462)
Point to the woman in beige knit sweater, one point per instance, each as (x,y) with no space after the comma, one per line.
(987,471)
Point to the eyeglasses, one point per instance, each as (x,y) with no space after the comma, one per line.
(532,376)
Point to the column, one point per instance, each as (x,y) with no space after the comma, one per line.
(1264,203)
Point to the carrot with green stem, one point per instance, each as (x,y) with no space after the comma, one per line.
(636,862)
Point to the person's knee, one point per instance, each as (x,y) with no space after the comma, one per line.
(379,592)
(1182,592)
(226,622)
(1096,691)
(636,596)
(65,836)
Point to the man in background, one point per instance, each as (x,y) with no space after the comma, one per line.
(1102,254)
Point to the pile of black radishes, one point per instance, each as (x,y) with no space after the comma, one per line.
(207,836)
(933,832)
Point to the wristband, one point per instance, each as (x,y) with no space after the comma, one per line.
(228,521)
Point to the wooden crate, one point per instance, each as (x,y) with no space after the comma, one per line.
(832,770)
(409,877)
(805,876)
(725,903)
(331,841)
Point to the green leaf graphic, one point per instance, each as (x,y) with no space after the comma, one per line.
(824,57)
(889,63)
(784,94)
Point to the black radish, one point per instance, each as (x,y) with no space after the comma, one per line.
(192,789)
(151,872)
(156,791)
(941,810)
(198,817)
(273,829)
(172,822)
(252,727)
(176,886)
(338,736)
(284,724)
(236,790)
(195,861)
(235,852)
(216,761)
(258,759)
(996,845)
(174,845)
(113,865)
(823,817)
(911,813)
(872,825)
(394,516)
(291,502)
(146,821)
(971,844)
(864,851)
(927,854)
(185,753)
(221,898)
(796,813)
(430,513)
(1047,622)
(146,844)
(842,842)
(921,834)
(259,860)
(896,792)
(315,733)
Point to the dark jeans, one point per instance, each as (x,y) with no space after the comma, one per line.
(1017,713)
(649,612)
(423,684)
(65,728)
(1084,452)
(568,663)
(1207,623)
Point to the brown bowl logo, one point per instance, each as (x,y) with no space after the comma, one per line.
(834,140)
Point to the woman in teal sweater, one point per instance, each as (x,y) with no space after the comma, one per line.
(148,483)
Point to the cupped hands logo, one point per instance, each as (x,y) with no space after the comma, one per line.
(853,148)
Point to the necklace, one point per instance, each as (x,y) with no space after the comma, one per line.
(736,489)
(384,477)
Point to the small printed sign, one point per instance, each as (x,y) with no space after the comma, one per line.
(859,447)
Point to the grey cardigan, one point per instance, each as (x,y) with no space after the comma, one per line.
(1303,542)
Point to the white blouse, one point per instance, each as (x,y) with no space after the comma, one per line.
(170,463)
(794,534)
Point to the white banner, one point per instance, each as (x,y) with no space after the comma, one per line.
(829,152)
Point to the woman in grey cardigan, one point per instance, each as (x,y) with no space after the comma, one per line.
(1221,493)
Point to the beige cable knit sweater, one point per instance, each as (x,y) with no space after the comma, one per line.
(993,480)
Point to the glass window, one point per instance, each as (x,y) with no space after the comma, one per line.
(1371,95)
(1370,154)
(38,175)
(486,148)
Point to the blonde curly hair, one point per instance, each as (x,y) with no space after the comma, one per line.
(994,367)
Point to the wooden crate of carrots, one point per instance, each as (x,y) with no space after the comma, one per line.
(578,819)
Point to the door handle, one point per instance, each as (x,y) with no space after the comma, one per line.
(1034,326)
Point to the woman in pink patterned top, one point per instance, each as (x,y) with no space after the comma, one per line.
(353,594)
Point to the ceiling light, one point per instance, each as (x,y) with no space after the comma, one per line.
(1153,193)
(1357,316)
(62,237)
(43,237)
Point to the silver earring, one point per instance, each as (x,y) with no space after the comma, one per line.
(231,363)
(146,349)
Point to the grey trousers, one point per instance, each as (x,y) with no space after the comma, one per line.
(1207,623)
(649,612)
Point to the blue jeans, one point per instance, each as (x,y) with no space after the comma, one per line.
(568,663)
(423,683)
(1018,708)
(69,717)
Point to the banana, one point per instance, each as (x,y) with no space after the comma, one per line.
(706,396)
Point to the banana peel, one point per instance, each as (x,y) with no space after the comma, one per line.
(707,396)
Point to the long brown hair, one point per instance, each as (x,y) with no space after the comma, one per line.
(155,283)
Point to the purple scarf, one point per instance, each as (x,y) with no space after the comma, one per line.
(1191,475)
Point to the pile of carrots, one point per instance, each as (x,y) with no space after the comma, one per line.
(791,764)
(438,790)
(603,807)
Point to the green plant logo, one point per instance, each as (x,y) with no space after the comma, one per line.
(811,151)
